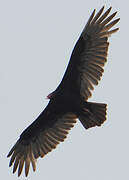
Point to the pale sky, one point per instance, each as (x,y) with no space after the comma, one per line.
(36,41)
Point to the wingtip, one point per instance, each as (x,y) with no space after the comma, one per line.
(115,12)
(19,173)
(117,29)
(94,12)
(117,20)
(110,7)
(8,155)
(26,174)
(10,164)
(103,7)
(10,152)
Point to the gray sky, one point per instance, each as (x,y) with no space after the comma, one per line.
(36,40)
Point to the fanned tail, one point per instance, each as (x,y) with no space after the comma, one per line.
(94,114)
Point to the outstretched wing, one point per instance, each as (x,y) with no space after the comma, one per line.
(39,138)
(89,55)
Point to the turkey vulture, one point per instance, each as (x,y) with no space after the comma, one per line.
(69,101)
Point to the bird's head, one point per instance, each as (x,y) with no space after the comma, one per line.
(51,95)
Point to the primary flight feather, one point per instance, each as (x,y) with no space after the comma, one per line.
(69,101)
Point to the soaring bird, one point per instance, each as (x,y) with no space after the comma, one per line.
(69,101)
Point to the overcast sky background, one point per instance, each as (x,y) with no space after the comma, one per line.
(36,40)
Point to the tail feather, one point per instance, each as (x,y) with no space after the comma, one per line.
(94,114)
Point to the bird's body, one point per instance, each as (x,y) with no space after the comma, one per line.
(69,101)
(58,105)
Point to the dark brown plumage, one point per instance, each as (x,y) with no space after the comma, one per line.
(69,101)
